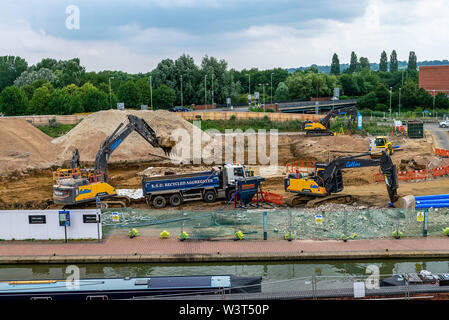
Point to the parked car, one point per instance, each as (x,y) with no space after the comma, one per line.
(444,124)
(181,109)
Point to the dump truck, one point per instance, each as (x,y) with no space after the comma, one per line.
(218,183)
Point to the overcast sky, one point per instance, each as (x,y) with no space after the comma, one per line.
(134,35)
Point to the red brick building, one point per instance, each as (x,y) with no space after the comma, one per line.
(434,78)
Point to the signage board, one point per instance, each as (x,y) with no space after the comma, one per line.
(64,218)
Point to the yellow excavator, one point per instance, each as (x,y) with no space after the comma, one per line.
(321,128)
(74,186)
(380,143)
(319,184)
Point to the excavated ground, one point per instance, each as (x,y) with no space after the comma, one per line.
(33,189)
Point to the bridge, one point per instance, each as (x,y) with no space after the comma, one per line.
(309,106)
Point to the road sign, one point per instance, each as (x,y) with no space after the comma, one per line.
(115,217)
(64,218)
(121,106)
(256,95)
(318,219)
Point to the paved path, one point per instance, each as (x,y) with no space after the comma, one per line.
(120,248)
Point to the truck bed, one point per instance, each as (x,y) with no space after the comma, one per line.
(198,180)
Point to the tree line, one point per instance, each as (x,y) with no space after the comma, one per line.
(65,87)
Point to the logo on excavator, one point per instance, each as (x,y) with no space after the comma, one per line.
(83,191)
(352,164)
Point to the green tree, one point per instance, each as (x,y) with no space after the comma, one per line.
(441,101)
(335,66)
(95,100)
(368,101)
(393,61)
(282,93)
(353,63)
(164,97)
(60,102)
(39,102)
(29,77)
(382,93)
(13,101)
(69,72)
(349,85)
(383,64)
(144,91)
(412,61)
(11,68)
(129,94)
(364,63)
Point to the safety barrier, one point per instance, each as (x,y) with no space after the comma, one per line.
(416,174)
(270,197)
(442,152)
(300,166)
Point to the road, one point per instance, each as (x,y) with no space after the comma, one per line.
(441,135)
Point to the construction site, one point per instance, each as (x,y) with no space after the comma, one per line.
(29,160)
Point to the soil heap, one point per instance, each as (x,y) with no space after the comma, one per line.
(23,146)
(91,132)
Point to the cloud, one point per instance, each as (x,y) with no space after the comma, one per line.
(260,34)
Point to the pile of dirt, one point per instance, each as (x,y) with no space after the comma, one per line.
(23,147)
(90,133)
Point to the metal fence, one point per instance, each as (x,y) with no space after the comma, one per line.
(276,224)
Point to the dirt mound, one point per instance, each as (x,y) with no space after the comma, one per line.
(90,133)
(23,146)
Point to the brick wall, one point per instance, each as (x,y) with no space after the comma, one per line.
(434,78)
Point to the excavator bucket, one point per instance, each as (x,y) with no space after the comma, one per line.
(166,144)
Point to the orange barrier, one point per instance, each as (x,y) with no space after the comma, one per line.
(416,175)
(269,197)
(300,166)
(442,152)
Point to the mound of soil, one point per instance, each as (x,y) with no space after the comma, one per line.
(23,147)
(90,133)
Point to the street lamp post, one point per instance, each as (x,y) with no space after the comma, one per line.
(249,84)
(434,101)
(390,100)
(151,93)
(110,99)
(400,101)
(205,98)
(271,82)
(212,97)
(182,103)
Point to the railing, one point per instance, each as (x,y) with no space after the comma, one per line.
(275,224)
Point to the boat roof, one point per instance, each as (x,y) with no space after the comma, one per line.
(156,283)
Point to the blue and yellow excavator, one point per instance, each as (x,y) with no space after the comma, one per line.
(321,128)
(75,185)
(313,186)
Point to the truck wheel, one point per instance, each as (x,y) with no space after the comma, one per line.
(159,202)
(175,200)
(230,193)
(210,196)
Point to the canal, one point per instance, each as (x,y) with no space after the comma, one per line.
(277,276)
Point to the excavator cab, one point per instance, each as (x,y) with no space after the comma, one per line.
(379,144)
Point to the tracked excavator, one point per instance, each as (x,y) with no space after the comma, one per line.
(75,186)
(318,185)
(321,128)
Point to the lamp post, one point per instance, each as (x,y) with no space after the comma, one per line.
(205,98)
(151,93)
(434,101)
(212,96)
(182,104)
(271,87)
(390,100)
(110,100)
(400,102)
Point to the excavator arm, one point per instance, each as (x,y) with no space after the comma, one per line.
(351,111)
(121,133)
(75,162)
(331,171)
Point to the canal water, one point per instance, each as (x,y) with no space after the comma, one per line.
(276,276)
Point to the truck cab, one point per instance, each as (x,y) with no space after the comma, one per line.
(230,171)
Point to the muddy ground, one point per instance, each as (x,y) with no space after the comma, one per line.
(33,189)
